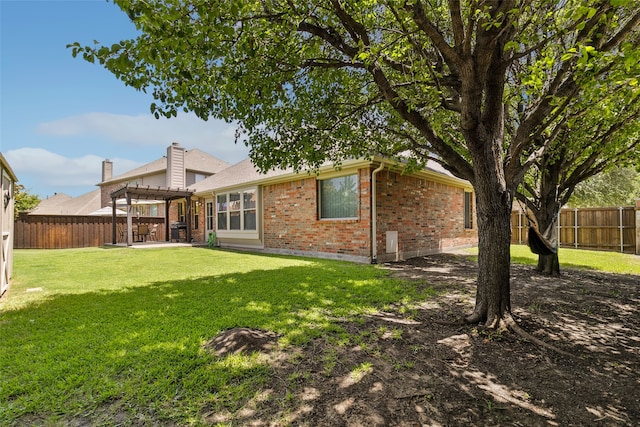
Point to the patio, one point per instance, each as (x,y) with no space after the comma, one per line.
(128,192)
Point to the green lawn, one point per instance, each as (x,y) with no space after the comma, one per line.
(611,262)
(93,334)
(104,336)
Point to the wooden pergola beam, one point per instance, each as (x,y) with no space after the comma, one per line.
(150,193)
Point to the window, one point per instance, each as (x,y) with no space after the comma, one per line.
(196,214)
(181,210)
(249,210)
(209,215)
(338,197)
(468,209)
(221,208)
(237,211)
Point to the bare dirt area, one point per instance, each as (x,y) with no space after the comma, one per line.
(419,367)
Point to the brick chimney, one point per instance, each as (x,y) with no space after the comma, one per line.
(176,174)
(107,170)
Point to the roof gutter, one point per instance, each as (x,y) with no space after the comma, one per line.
(374,215)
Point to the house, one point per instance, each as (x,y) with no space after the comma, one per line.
(63,204)
(7,214)
(367,211)
(179,169)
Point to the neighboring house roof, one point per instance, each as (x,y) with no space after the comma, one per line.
(195,161)
(245,173)
(63,204)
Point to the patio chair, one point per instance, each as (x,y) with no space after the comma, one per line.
(153,234)
(143,232)
(122,234)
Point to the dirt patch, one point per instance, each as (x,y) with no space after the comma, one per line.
(237,340)
(420,368)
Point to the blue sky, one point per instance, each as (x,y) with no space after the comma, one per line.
(60,116)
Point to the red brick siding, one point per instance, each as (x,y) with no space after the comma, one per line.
(105,193)
(428,216)
(291,220)
(197,234)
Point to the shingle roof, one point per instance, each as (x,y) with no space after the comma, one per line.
(195,160)
(243,172)
(63,204)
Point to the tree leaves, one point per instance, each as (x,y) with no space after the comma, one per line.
(340,79)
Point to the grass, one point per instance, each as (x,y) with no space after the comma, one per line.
(610,262)
(114,336)
(101,336)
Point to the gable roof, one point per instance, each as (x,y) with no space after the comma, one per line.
(194,160)
(242,173)
(245,173)
(63,204)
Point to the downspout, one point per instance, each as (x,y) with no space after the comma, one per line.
(374,215)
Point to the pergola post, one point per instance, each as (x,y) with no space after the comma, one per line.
(188,219)
(166,222)
(113,221)
(129,220)
(149,193)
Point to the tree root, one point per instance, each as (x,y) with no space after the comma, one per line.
(510,323)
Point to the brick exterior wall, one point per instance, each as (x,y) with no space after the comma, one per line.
(428,216)
(197,203)
(291,223)
(105,193)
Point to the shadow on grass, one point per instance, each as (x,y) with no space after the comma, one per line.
(139,351)
(134,355)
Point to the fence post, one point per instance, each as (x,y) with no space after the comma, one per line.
(559,228)
(575,228)
(621,231)
(519,226)
(637,226)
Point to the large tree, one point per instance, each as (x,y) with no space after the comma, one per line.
(327,80)
(597,132)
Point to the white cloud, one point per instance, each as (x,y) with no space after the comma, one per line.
(214,136)
(52,172)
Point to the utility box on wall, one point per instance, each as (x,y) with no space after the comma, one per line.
(392,242)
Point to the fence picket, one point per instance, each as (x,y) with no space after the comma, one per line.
(69,231)
(606,229)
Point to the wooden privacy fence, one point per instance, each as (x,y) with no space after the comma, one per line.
(605,229)
(71,231)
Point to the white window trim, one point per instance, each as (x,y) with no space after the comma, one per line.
(238,234)
(468,209)
(346,218)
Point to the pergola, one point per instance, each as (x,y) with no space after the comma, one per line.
(129,192)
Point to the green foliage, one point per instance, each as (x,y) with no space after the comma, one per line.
(211,239)
(617,187)
(312,82)
(93,335)
(24,201)
(480,87)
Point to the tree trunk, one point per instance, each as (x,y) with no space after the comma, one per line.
(493,296)
(546,219)
(549,264)
(546,213)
